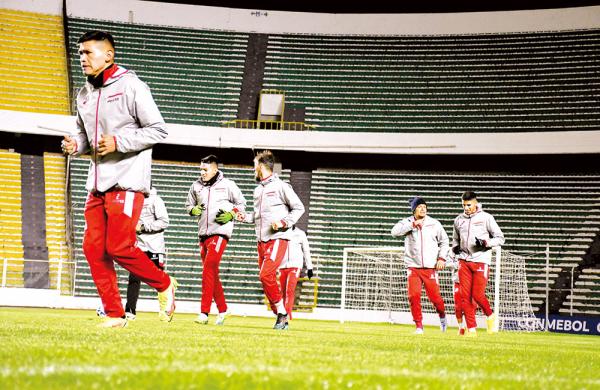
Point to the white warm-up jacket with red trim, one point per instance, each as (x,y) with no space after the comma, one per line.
(123,108)
(274,200)
(154,220)
(298,251)
(221,194)
(422,246)
(477,225)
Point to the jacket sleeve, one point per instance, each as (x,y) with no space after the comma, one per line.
(191,200)
(161,217)
(455,235)
(496,235)
(443,242)
(237,198)
(402,228)
(80,137)
(152,128)
(306,251)
(294,203)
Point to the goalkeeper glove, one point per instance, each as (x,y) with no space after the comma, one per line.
(196,211)
(481,243)
(309,273)
(224,216)
(456,249)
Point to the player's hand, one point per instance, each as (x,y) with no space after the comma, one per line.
(224,216)
(277,225)
(481,243)
(309,273)
(418,223)
(440,264)
(196,211)
(456,249)
(68,145)
(106,145)
(138,228)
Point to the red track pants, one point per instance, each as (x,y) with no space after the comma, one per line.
(417,277)
(211,251)
(110,221)
(288,279)
(270,255)
(458,306)
(473,279)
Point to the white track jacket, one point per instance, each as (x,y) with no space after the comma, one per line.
(422,247)
(124,108)
(298,251)
(222,194)
(274,200)
(154,220)
(478,225)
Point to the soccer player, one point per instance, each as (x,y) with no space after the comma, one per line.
(475,233)
(118,122)
(277,208)
(214,200)
(425,251)
(154,219)
(458,307)
(297,254)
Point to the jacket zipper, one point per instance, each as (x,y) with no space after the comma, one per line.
(207,204)
(260,213)
(421,235)
(96,142)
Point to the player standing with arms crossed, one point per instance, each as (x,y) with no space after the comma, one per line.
(425,251)
(215,200)
(475,233)
(277,208)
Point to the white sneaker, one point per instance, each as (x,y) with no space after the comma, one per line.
(129,316)
(201,319)
(100,312)
(419,331)
(443,324)
(166,301)
(221,318)
(113,322)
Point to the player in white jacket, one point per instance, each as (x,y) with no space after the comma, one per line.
(425,252)
(214,200)
(475,233)
(297,255)
(150,230)
(118,122)
(277,208)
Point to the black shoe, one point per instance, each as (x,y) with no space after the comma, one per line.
(281,322)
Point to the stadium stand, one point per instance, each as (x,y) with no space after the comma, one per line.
(456,83)
(33,63)
(239,270)
(195,76)
(359,209)
(585,299)
(11,249)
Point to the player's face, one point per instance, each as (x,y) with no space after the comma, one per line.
(421,211)
(470,206)
(207,171)
(257,171)
(94,56)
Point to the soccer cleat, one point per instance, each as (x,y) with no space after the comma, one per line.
(113,322)
(471,333)
(443,324)
(221,318)
(282,322)
(166,302)
(129,316)
(492,323)
(201,319)
(419,331)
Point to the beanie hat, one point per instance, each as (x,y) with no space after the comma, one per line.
(415,202)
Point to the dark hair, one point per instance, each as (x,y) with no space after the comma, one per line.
(266,158)
(469,195)
(97,36)
(210,159)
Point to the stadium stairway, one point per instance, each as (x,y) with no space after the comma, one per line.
(360,208)
(33,66)
(195,75)
(11,247)
(585,297)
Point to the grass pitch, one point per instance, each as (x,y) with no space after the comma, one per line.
(63,349)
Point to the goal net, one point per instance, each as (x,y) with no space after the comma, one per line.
(374,283)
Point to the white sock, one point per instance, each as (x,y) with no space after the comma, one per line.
(280,307)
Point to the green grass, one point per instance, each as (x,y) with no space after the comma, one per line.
(52,349)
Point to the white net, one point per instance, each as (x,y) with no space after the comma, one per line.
(374,280)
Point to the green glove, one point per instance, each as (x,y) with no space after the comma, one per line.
(224,216)
(197,211)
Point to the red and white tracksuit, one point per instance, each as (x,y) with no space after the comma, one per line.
(474,261)
(274,201)
(121,107)
(217,194)
(298,252)
(424,244)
